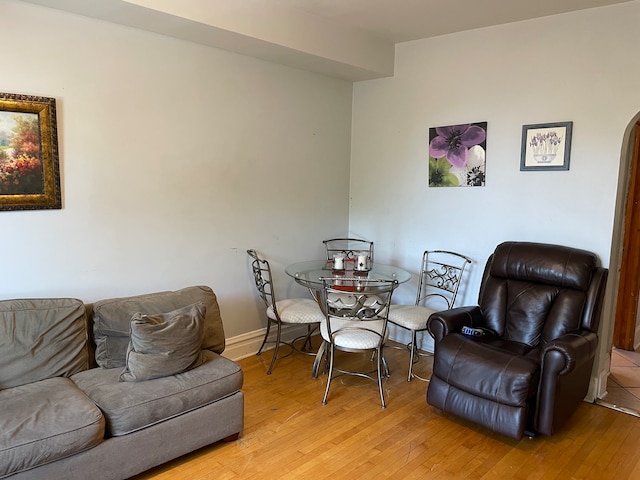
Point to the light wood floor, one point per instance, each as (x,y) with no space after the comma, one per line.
(289,434)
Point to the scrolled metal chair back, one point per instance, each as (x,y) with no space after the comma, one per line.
(262,278)
(369,299)
(349,247)
(440,276)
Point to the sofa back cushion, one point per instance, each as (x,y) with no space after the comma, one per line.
(41,338)
(112,320)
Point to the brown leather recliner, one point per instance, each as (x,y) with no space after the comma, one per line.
(540,307)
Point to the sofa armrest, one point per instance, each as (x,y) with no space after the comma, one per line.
(441,324)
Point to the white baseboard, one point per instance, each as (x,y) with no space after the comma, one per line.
(601,385)
(247,344)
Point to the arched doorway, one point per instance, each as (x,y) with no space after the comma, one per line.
(626,313)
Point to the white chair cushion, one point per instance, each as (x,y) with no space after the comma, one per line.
(412,317)
(297,310)
(356,338)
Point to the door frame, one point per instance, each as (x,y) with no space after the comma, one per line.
(629,287)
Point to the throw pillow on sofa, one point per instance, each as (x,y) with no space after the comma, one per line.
(112,317)
(165,344)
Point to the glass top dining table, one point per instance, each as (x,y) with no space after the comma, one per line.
(311,273)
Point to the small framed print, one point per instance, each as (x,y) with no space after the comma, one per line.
(546,146)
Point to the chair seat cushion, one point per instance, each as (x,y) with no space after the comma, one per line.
(45,421)
(413,317)
(297,310)
(486,370)
(131,406)
(361,336)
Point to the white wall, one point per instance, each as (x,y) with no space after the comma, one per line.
(175,159)
(581,67)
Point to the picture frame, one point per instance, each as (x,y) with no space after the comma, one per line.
(546,146)
(457,155)
(29,164)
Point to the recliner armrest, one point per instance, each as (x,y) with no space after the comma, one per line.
(441,324)
(564,380)
(569,351)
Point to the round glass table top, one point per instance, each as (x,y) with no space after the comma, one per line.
(310,274)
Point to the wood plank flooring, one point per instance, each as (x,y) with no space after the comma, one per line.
(289,434)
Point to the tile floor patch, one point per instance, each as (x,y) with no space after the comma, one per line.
(623,384)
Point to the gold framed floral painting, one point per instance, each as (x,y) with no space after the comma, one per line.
(29,166)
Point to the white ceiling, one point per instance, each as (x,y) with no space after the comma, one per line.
(403,20)
(349,39)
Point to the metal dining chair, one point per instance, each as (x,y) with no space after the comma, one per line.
(349,247)
(350,250)
(360,327)
(294,311)
(440,278)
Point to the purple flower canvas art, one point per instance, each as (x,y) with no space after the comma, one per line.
(457,155)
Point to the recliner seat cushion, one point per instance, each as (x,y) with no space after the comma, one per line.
(45,421)
(131,406)
(491,373)
(504,419)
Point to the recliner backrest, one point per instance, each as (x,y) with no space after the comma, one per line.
(533,293)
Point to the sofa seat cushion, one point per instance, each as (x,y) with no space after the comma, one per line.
(45,421)
(485,371)
(131,406)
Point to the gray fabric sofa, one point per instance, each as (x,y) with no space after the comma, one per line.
(65,413)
